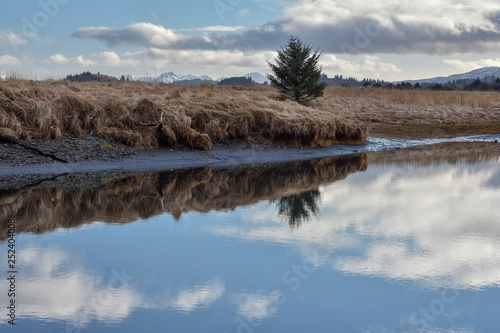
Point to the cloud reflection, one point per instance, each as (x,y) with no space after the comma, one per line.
(256,306)
(200,296)
(52,288)
(428,224)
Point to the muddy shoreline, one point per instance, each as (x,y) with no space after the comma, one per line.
(92,158)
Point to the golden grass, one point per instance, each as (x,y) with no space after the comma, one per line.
(193,117)
(415,113)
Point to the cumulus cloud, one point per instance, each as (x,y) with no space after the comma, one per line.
(434,27)
(363,66)
(149,35)
(208,61)
(9,60)
(353,27)
(10,38)
(56,59)
(217,28)
(106,58)
(466,66)
(142,34)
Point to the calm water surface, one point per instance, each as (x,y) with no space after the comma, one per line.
(367,243)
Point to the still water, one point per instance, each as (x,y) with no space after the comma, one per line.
(405,241)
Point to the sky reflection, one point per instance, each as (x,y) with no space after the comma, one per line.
(364,247)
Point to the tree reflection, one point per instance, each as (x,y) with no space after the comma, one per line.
(298,208)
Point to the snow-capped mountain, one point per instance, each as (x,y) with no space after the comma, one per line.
(477,73)
(257,77)
(171,77)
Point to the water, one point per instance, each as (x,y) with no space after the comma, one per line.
(405,241)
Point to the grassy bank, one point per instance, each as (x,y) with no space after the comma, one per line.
(145,115)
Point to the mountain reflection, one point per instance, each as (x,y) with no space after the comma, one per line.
(294,186)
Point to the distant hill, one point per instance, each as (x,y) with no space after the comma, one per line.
(472,75)
(257,77)
(88,77)
(240,81)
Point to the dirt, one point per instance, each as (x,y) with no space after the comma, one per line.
(69,148)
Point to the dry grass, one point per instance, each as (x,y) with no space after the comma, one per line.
(415,113)
(177,192)
(193,117)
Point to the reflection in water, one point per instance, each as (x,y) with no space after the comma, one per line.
(54,288)
(411,218)
(297,208)
(176,192)
(431,219)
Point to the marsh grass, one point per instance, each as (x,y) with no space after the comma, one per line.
(415,113)
(190,116)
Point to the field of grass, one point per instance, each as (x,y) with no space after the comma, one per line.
(145,115)
(415,113)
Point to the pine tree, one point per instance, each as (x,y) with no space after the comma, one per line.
(296,72)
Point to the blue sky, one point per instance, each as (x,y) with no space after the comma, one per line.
(391,40)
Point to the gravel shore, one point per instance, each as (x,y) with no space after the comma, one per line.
(91,158)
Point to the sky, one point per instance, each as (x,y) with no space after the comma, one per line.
(380,39)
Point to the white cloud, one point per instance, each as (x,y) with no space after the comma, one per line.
(9,60)
(466,66)
(57,59)
(10,38)
(402,27)
(244,11)
(144,34)
(357,67)
(436,27)
(106,58)
(217,28)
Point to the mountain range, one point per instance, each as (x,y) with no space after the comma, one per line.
(171,77)
(477,73)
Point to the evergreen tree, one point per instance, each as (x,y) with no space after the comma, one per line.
(296,72)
